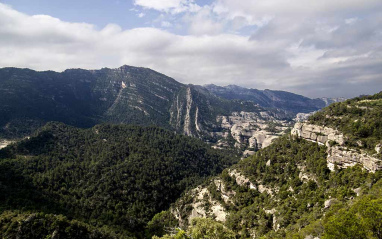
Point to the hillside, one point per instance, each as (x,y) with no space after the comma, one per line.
(295,188)
(359,119)
(114,176)
(278,191)
(83,98)
(16,224)
(272,98)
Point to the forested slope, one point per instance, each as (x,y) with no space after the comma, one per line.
(287,191)
(360,119)
(118,176)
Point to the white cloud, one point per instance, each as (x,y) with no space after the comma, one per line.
(316,56)
(140,15)
(173,6)
(166,24)
(351,20)
(203,23)
(260,8)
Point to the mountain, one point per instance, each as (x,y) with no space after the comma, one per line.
(83,98)
(272,98)
(323,180)
(132,95)
(109,176)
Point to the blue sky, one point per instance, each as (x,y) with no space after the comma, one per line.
(97,12)
(315,48)
(125,13)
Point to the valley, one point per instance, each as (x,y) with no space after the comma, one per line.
(132,153)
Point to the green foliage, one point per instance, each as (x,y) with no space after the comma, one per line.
(15,224)
(113,175)
(295,174)
(158,224)
(203,228)
(360,119)
(361,220)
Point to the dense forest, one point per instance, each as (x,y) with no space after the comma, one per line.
(18,224)
(302,198)
(110,175)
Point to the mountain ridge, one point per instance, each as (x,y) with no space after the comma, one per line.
(86,97)
(272,98)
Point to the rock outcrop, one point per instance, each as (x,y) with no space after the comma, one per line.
(338,154)
(318,134)
(4,143)
(250,130)
(345,157)
(202,205)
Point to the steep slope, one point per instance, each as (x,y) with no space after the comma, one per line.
(352,131)
(133,95)
(83,98)
(287,190)
(359,119)
(277,192)
(271,98)
(119,176)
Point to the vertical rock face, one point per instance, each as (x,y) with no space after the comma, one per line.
(250,129)
(185,114)
(338,154)
(187,121)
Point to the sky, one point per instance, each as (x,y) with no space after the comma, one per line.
(316,48)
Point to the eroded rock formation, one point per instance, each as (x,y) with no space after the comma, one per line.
(338,154)
(249,130)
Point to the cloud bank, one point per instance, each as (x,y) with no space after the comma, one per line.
(323,48)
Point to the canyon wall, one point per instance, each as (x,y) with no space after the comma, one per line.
(338,153)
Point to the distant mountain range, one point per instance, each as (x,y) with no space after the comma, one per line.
(133,95)
(272,98)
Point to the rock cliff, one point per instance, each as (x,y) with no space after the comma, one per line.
(338,153)
(317,133)
(250,130)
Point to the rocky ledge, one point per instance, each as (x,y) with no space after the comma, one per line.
(338,154)
(318,134)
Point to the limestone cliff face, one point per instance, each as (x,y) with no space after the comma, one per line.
(249,129)
(317,133)
(338,154)
(349,157)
